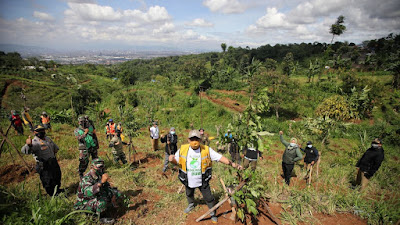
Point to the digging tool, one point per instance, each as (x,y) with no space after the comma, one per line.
(180,189)
(10,143)
(233,215)
(274,219)
(4,140)
(309,174)
(241,184)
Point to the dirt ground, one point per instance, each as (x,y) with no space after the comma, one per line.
(226,102)
(144,209)
(15,173)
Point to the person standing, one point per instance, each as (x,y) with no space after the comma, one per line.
(95,192)
(154,135)
(291,155)
(117,148)
(44,151)
(310,159)
(170,140)
(92,130)
(16,122)
(251,155)
(120,128)
(27,118)
(107,131)
(45,121)
(86,145)
(195,163)
(204,137)
(112,127)
(369,163)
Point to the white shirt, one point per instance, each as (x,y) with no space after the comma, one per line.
(154,132)
(193,165)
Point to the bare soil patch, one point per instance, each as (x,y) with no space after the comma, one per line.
(226,102)
(15,173)
(224,213)
(338,219)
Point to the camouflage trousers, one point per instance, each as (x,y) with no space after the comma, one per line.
(119,155)
(84,159)
(99,204)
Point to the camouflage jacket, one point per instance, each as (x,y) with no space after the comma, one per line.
(88,188)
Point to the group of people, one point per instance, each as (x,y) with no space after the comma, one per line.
(18,121)
(194,161)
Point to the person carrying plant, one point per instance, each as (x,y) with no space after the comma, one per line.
(86,143)
(195,166)
(204,137)
(171,140)
(117,148)
(27,119)
(154,135)
(95,192)
(310,159)
(291,155)
(369,163)
(44,151)
(251,155)
(16,122)
(45,121)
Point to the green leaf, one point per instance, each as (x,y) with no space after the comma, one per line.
(253,210)
(240,214)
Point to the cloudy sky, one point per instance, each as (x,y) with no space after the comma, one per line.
(190,24)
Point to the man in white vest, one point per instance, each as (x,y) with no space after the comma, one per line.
(195,162)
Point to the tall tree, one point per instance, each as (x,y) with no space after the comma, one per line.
(337,28)
(223,46)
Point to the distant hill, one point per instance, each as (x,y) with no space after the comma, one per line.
(27,51)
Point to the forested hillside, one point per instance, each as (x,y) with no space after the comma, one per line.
(339,96)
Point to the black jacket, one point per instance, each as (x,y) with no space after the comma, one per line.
(311,154)
(371,161)
(172,147)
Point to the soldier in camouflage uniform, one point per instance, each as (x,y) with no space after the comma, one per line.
(44,151)
(204,138)
(87,144)
(117,147)
(94,191)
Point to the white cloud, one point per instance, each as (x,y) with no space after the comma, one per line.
(225,6)
(166,28)
(199,22)
(273,19)
(43,16)
(91,12)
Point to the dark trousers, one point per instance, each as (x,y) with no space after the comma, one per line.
(207,196)
(84,159)
(50,175)
(287,171)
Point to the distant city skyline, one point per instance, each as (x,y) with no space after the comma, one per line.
(190,25)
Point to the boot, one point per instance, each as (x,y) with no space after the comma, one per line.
(189,208)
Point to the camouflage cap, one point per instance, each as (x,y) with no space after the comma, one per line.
(98,162)
(81,119)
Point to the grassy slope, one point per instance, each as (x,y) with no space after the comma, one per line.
(154,198)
